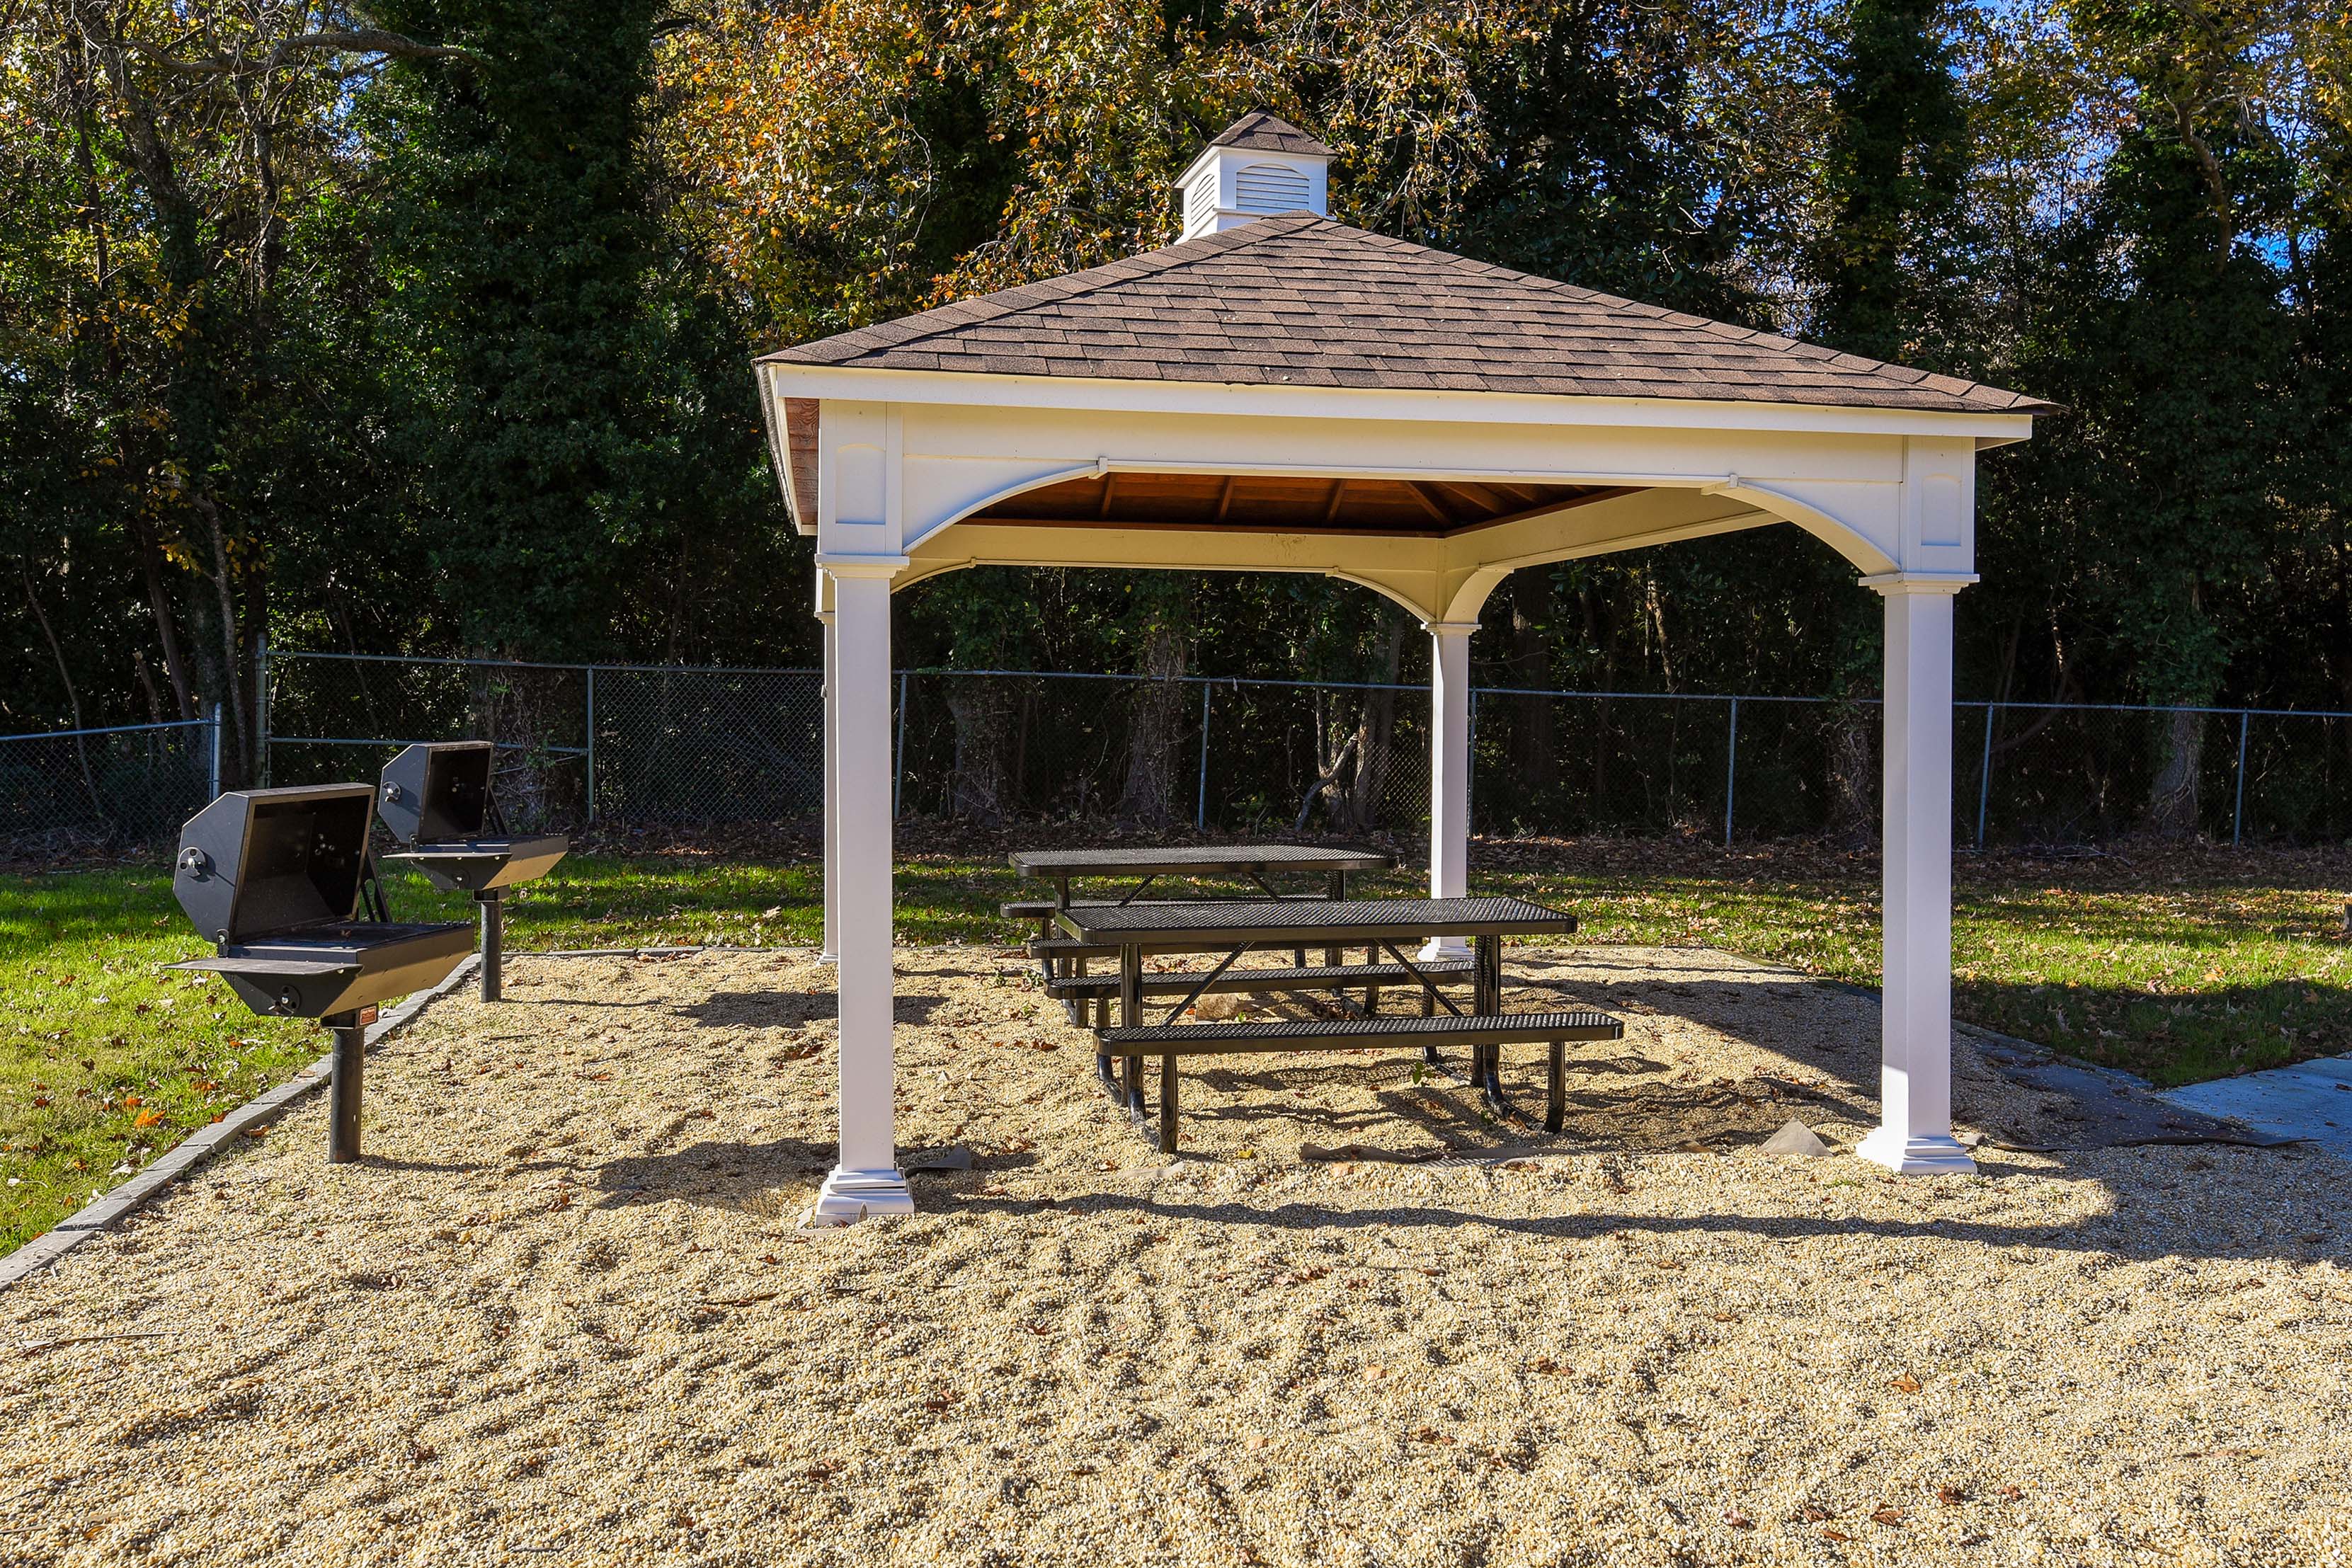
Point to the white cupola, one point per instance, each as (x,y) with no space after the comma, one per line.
(1258,166)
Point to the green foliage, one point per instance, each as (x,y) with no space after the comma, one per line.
(441,344)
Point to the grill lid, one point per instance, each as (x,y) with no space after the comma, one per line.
(436,791)
(260,861)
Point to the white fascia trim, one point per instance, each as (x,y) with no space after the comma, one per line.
(1708,482)
(1097,394)
(772,424)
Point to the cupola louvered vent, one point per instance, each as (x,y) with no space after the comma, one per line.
(1257,167)
(1270,188)
(1201,202)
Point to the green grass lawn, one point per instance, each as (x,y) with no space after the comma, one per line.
(2180,964)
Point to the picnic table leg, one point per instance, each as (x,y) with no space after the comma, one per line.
(1486,1059)
(1168,1104)
(1555,1085)
(1130,1015)
(1335,888)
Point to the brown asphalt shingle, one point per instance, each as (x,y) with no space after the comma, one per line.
(1299,300)
(1268,132)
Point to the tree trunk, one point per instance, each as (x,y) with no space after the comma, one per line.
(1854,771)
(2173,799)
(1376,733)
(982,713)
(73,698)
(1535,745)
(1145,801)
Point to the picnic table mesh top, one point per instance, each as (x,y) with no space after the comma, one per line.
(1198,857)
(1319,920)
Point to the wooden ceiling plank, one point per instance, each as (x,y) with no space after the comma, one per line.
(1225,500)
(1420,492)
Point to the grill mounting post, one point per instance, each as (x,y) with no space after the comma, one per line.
(494,933)
(350,1065)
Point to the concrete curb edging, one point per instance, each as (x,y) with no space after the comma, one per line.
(102,1213)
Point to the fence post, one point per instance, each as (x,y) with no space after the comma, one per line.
(1730,772)
(261,708)
(2238,815)
(214,793)
(1984,774)
(899,751)
(1201,805)
(591,746)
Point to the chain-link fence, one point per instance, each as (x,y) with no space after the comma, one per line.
(67,791)
(655,746)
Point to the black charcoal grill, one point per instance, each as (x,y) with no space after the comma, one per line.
(440,801)
(281,881)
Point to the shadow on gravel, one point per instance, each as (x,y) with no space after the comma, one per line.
(770,1009)
(2159,1212)
(712,1175)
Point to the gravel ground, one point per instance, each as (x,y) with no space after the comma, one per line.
(562,1313)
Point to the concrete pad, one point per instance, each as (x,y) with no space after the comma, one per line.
(2311,1100)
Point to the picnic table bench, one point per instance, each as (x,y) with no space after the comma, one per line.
(1236,927)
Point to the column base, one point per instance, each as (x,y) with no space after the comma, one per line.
(827,955)
(1917,1154)
(1441,947)
(848,1196)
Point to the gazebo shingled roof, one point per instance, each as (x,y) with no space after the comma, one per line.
(1301,300)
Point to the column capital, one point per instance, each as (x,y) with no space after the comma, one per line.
(856,566)
(1449,628)
(1894,582)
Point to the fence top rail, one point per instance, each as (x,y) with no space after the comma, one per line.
(108,729)
(370,740)
(278,654)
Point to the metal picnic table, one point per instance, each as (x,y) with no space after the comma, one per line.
(1236,926)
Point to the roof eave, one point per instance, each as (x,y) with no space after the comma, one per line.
(790,378)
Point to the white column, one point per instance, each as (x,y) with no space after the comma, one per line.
(1915,1131)
(1449,771)
(832,718)
(866,1179)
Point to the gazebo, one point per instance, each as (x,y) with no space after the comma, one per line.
(1279,392)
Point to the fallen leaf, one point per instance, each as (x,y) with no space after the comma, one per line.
(147,1118)
(1906,1383)
(1835,1535)
(1738,1521)
(256,1131)
(1888,1516)
(1544,1365)
(1950,1496)
(1815,1514)
(938,1402)
(1727,1317)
